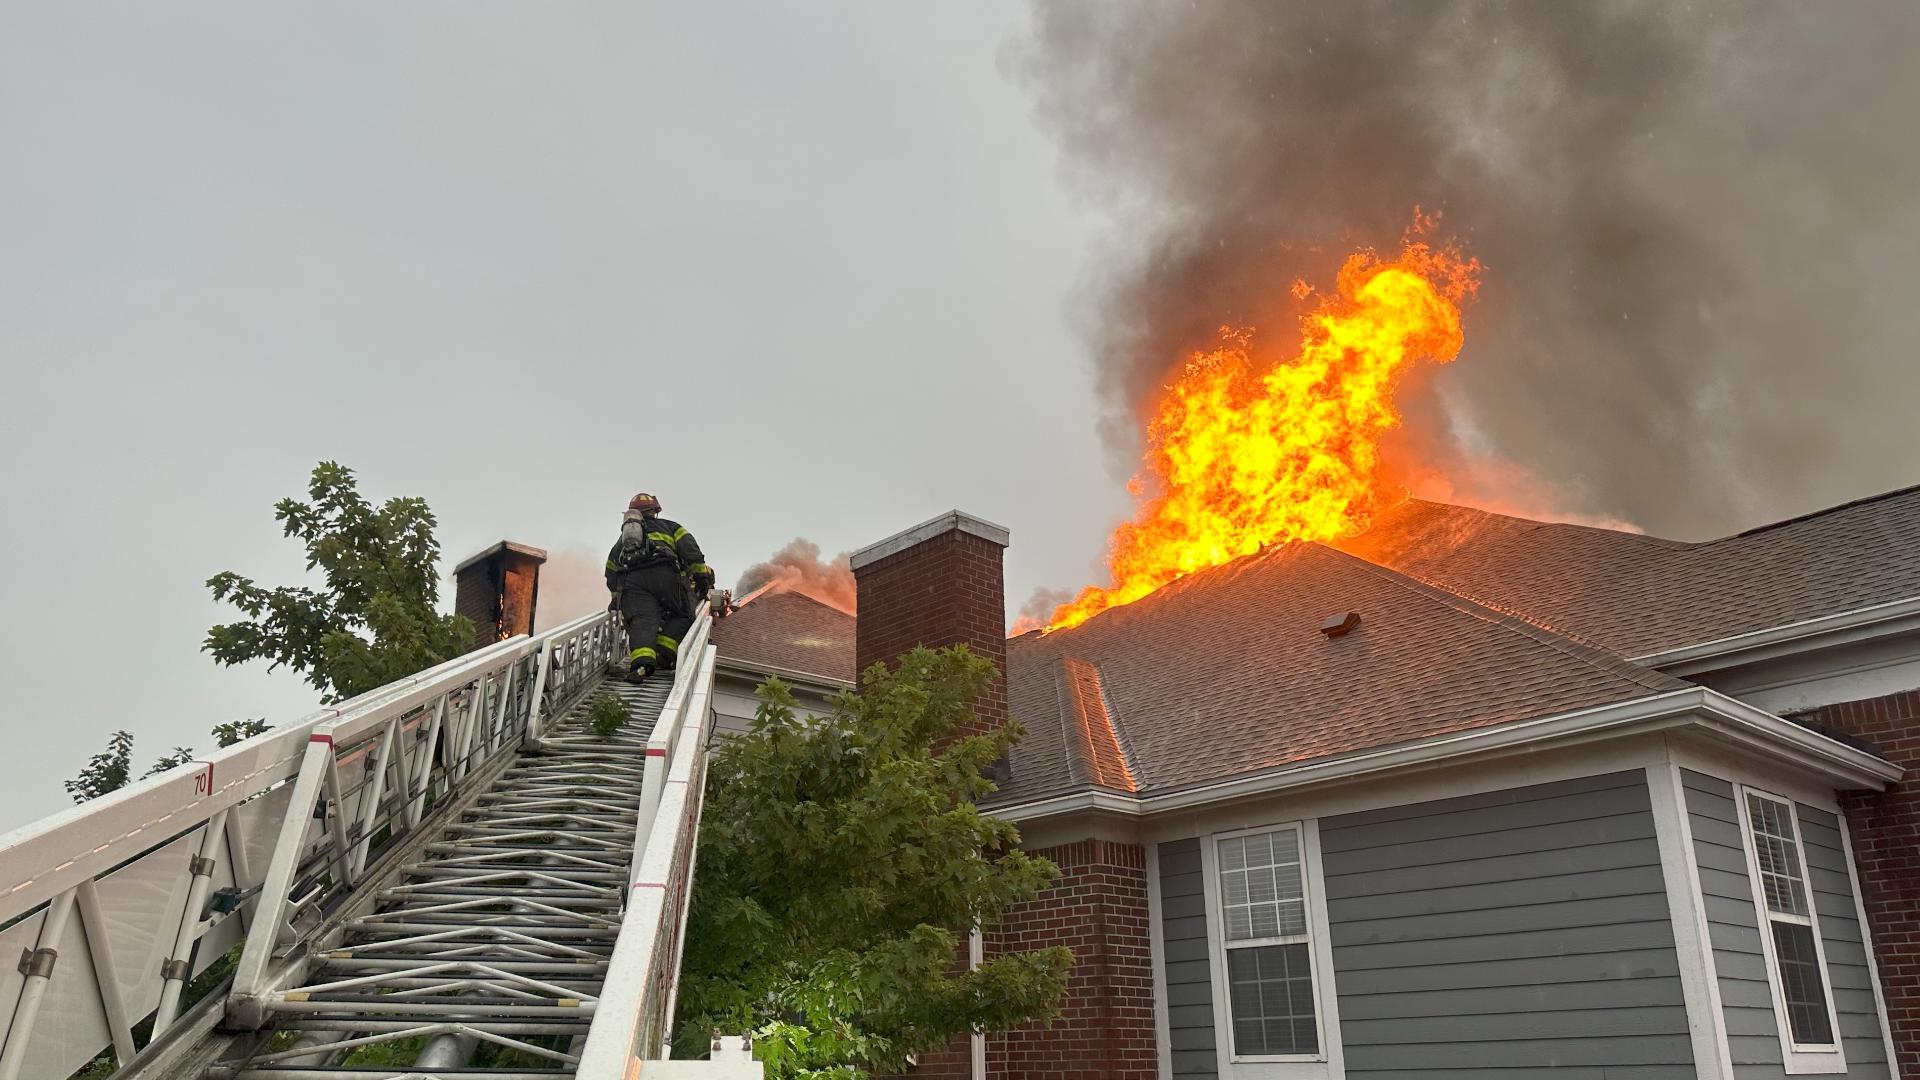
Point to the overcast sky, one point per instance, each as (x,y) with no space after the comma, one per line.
(797,269)
(809,270)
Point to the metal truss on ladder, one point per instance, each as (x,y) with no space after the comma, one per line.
(431,879)
(502,933)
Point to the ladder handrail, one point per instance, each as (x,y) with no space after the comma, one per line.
(635,1012)
(408,738)
(666,732)
(129,866)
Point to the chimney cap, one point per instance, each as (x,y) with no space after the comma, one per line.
(951,521)
(1339,625)
(501,548)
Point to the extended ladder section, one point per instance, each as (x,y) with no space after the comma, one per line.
(451,876)
(492,947)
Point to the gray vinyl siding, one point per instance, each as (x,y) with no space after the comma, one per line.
(1183,931)
(1515,934)
(1733,924)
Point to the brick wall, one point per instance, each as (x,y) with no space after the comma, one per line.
(476,596)
(1885,828)
(1098,909)
(941,584)
(497,591)
(944,590)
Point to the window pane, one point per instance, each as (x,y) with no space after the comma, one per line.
(1292,918)
(1287,879)
(1259,849)
(1271,991)
(1782,885)
(1239,924)
(1233,887)
(1266,921)
(1286,847)
(1800,983)
(1261,885)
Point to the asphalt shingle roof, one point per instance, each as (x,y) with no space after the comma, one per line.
(1638,595)
(788,631)
(1225,672)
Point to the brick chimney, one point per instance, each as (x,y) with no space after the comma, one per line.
(939,583)
(496,589)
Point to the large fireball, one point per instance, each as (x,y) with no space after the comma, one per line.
(1239,457)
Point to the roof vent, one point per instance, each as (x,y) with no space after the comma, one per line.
(1341,624)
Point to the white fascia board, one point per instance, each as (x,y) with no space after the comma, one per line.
(758,673)
(1806,746)
(1693,706)
(1840,628)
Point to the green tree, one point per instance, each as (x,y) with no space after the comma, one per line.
(837,857)
(374,621)
(234,731)
(112,768)
(175,758)
(106,771)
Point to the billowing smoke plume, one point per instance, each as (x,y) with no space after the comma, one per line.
(1041,604)
(798,566)
(573,582)
(1696,220)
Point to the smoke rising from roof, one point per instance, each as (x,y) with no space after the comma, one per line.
(1696,222)
(1041,603)
(798,567)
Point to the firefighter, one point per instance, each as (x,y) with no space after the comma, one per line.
(657,575)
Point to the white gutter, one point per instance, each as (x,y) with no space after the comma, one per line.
(791,676)
(1871,621)
(1674,708)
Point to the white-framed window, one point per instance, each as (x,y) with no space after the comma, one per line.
(1790,934)
(1272,978)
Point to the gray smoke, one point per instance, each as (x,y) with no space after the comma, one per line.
(1697,222)
(799,567)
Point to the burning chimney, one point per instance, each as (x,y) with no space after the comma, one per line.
(496,589)
(939,583)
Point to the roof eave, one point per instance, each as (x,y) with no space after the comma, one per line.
(1827,631)
(1690,707)
(760,672)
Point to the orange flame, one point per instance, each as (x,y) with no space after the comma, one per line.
(1240,457)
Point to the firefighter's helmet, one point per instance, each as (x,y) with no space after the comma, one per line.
(644,503)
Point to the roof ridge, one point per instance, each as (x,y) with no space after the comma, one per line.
(1592,655)
(781,588)
(1542,523)
(1811,514)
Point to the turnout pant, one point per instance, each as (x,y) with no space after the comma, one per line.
(653,601)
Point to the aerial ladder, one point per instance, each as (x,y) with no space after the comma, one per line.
(450,876)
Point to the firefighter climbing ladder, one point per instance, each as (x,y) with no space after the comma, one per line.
(448,876)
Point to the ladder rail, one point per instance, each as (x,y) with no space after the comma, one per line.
(635,1015)
(172,867)
(502,921)
(480,696)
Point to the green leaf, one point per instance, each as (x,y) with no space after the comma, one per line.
(374,619)
(842,858)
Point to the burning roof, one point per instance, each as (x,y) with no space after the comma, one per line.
(1638,595)
(1226,672)
(1249,448)
(1466,619)
(783,631)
